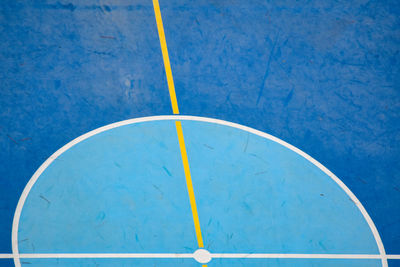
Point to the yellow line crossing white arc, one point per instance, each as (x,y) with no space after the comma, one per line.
(178,124)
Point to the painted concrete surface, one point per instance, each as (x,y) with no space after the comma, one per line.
(63,76)
(321,75)
(123,191)
(289,205)
(117,192)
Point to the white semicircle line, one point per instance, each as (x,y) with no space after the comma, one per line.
(36,175)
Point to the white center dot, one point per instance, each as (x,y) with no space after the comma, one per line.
(202,255)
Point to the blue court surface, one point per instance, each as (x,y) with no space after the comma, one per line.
(200,133)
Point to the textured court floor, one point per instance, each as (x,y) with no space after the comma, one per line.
(322,76)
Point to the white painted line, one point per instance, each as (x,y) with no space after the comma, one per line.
(6,256)
(36,175)
(106,255)
(294,256)
(193,255)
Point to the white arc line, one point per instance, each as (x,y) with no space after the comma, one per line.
(37,174)
(191,255)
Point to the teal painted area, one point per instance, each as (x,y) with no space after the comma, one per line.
(111,193)
(256,196)
(124,191)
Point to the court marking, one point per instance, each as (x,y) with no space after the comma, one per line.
(164,51)
(192,255)
(175,110)
(189,183)
(37,174)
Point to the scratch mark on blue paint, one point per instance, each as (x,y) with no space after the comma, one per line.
(97,232)
(15,142)
(101,216)
(69,6)
(229,237)
(45,199)
(209,147)
(349,100)
(288,98)
(107,8)
(363,181)
(103,8)
(256,156)
(267,69)
(228,98)
(167,171)
(247,143)
(247,207)
(321,245)
(107,37)
(158,189)
(101,53)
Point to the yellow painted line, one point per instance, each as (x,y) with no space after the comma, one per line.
(178,124)
(189,183)
(167,64)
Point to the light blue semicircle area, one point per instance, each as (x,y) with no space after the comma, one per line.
(124,191)
(257,196)
(120,191)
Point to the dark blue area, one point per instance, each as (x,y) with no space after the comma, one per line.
(394,263)
(321,75)
(68,69)
(6,262)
